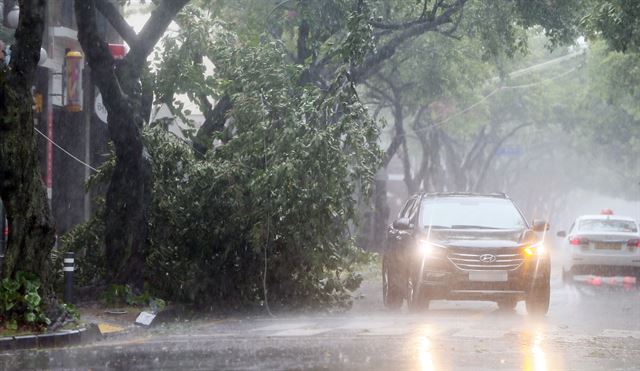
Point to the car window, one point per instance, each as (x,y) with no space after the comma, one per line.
(607,225)
(411,213)
(470,212)
(404,213)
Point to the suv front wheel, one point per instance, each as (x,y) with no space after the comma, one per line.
(391,292)
(537,301)
(417,298)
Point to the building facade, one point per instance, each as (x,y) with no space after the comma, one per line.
(71,142)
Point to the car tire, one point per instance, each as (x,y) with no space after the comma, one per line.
(507,305)
(391,292)
(417,298)
(567,277)
(537,301)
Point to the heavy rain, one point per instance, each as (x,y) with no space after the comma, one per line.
(320,184)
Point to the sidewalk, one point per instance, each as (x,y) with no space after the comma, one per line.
(96,323)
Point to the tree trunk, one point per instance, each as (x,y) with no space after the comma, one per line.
(128,202)
(31,231)
(214,122)
(129,193)
(381,212)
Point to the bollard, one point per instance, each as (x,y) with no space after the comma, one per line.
(68,277)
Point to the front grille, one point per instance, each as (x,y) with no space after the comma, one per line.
(472,262)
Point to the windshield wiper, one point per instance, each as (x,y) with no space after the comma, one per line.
(466,226)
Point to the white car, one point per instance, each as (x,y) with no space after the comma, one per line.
(604,245)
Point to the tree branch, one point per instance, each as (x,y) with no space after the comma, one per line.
(153,30)
(303,36)
(26,51)
(97,53)
(117,21)
(478,145)
(405,25)
(452,161)
(492,154)
(370,65)
(396,26)
(214,122)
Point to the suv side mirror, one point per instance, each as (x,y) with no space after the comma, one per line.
(540,226)
(402,224)
(562,234)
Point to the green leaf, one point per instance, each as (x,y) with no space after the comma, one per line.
(30,317)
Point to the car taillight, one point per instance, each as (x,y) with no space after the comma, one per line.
(633,243)
(6,232)
(578,241)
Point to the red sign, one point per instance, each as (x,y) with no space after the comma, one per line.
(118,51)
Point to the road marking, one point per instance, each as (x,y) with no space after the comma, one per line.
(365,325)
(284,326)
(480,333)
(300,332)
(614,333)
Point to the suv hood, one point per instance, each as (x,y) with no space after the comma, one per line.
(480,237)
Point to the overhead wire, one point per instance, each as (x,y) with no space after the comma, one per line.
(487,96)
(64,150)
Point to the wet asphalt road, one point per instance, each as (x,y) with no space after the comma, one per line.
(592,325)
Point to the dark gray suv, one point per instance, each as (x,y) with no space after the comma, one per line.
(463,246)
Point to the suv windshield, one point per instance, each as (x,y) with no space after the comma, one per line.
(470,213)
(607,225)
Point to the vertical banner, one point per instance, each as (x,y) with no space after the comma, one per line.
(73,76)
(49,179)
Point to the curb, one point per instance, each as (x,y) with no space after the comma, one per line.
(56,339)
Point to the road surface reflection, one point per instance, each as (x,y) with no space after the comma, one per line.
(535,358)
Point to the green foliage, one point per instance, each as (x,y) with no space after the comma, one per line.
(87,241)
(72,311)
(359,40)
(20,302)
(616,77)
(615,21)
(118,295)
(284,185)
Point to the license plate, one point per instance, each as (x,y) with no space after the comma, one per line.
(488,276)
(607,245)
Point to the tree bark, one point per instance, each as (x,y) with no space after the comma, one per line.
(31,230)
(128,198)
(215,119)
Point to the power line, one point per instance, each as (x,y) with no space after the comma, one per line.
(65,151)
(493,92)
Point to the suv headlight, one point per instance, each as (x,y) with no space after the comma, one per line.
(535,249)
(429,249)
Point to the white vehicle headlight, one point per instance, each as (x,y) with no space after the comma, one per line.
(535,249)
(427,248)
